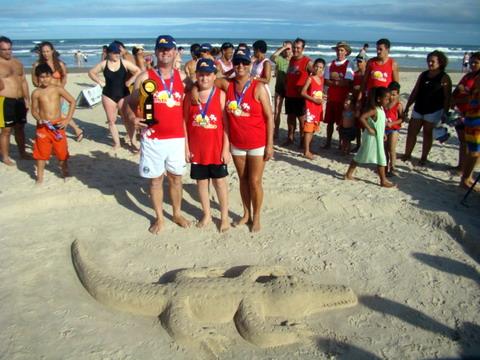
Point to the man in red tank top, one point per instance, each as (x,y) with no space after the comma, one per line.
(163,141)
(338,78)
(381,70)
(297,74)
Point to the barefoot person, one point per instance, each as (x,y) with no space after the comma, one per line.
(14,101)
(338,78)
(312,91)
(115,89)
(281,58)
(163,142)
(297,74)
(250,123)
(48,55)
(208,145)
(371,151)
(431,96)
(51,123)
(472,135)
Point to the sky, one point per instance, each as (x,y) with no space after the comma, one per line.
(428,21)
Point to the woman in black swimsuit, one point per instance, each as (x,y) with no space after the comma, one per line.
(115,89)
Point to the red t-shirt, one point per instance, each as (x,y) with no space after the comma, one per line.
(297,76)
(247,123)
(205,134)
(167,110)
(468,82)
(379,75)
(314,111)
(392,115)
(337,93)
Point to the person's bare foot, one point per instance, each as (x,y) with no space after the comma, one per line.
(465,184)
(181,221)
(8,162)
(349,177)
(255,225)
(406,158)
(156,227)
(204,221)
(38,182)
(387,184)
(244,220)
(422,162)
(224,225)
(309,155)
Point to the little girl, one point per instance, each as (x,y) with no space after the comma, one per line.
(371,151)
(347,130)
(312,91)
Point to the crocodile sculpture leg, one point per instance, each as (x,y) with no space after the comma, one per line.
(256,329)
(180,323)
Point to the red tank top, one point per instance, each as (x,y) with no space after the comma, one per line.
(205,134)
(337,72)
(392,115)
(247,123)
(168,111)
(379,75)
(357,78)
(296,76)
(314,111)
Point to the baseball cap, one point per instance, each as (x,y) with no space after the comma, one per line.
(165,41)
(227,45)
(114,47)
(241,53)
(360,58)
(205,47)
(206,66)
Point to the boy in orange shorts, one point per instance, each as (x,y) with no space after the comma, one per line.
(50,133)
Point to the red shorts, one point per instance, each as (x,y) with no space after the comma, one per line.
(333,112)
(45,141)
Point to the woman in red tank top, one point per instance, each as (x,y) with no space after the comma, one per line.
(250,122)
(208,148)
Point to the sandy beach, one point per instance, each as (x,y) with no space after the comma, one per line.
(411,254)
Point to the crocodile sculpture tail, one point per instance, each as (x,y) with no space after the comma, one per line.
(138,298)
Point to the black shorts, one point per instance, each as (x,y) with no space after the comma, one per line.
(347,134)
(12,112)
(280,89)
(213,171)
(295,106)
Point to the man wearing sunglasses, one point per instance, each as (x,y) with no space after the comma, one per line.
(14,101)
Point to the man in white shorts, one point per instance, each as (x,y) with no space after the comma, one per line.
(163,138)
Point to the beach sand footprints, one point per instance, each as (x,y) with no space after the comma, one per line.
(266,305)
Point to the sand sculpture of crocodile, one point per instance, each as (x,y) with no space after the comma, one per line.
(265,304)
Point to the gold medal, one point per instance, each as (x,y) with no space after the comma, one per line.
(171,102)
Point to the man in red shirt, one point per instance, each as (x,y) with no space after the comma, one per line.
(163,140)
(297,74)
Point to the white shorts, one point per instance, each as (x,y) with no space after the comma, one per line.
(433,118)
(156,156)
(244,152)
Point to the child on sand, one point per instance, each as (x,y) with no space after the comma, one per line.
(347,130)
(371,150)
(394,115)
(312,91)
(208,148)
(50,133)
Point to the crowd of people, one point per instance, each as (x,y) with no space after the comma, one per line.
(218,106)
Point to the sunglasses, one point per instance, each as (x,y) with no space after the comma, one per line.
(241,61)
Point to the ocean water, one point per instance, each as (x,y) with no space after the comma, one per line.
(408,55)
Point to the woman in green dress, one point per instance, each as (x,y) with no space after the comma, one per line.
(372,149)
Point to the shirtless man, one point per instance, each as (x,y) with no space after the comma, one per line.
(163,141)
(191,65)
(14,101)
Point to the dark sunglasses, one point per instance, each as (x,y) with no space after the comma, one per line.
(241,61)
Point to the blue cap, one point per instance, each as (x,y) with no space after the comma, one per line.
(165,41)
(205,47)
(206,66)
(114,47)
(242,53)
